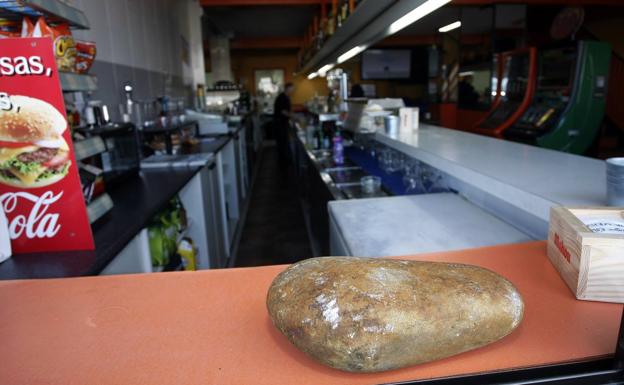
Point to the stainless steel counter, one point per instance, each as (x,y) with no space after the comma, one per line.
(412,224)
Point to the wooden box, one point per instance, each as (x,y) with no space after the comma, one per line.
(591,263)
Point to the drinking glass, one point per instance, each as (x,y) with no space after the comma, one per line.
(411,177)
(371,185)
(432,179)
(383,158)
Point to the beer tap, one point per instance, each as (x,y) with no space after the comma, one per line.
(127,116)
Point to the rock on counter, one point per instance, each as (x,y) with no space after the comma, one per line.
(368,315)
(414,224)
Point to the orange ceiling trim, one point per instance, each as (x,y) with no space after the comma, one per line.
(413,40)
(407,40)
(229,3)
(266,42)
(539,2)
(221,3)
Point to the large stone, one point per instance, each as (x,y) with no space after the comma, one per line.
(369,314)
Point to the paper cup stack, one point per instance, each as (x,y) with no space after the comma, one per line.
(615,182)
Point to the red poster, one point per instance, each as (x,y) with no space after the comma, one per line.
(39,184)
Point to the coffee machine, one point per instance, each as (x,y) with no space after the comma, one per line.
(119,157)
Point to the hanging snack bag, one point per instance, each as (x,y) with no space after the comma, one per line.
(9,28)
(188,252)
(64,44)
(85,55)
(27,28)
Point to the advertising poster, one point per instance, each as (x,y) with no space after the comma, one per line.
(40,190)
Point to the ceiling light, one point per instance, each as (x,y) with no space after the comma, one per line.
(417,13)
(450,27)
(323,70)
(351,53)
(466,73)
(312,75)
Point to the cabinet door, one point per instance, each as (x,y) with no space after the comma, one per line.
(217,219)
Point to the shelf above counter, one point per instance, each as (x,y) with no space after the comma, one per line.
(371,22)
(89,147)
(366,11)
(73,82)
(135,204)
(54,11)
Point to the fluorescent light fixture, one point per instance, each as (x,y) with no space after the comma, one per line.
(450,27)
(323,70)
(416,14)
(466,73)
(312,75)
(350,53)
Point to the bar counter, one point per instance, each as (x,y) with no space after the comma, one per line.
(409,224)
(212,327)
(519,180)
(136,201)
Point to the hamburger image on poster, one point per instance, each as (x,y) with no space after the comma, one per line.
(33,152)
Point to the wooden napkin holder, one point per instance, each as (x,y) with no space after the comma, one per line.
(591,263)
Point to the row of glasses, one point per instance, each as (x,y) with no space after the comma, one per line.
(431,179)
(144,113)
(411,177)
(177,111)
(418,177)
(390,160)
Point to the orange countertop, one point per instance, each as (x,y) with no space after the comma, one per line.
(212,327)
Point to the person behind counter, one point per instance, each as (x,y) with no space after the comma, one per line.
(357,91)
(281,121)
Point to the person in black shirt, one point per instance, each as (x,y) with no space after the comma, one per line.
(281,120)
(357,91)
(467,96)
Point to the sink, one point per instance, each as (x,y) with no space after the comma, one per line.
(354,191)
(343,180)
(325,160)
(349,174)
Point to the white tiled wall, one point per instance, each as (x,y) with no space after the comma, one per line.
(146,34)
(139,41)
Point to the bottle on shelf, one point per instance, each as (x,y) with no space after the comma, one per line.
(338,148)
(320,37)
(344,10)
(200,97)
(339,19)
(331,21)
(164,110)
(318,139)
(326,140)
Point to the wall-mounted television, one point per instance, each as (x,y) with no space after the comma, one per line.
(386,64)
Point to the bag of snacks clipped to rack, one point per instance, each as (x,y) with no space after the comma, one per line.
(64,44)
(9,28)
(85,56)
(188,253)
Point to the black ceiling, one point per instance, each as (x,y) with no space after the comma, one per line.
(475,20)
(259,21)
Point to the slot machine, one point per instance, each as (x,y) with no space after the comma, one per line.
(569,102)
(517,84)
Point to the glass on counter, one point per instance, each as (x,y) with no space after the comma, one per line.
(371,185)
(390,160)
(411,177)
